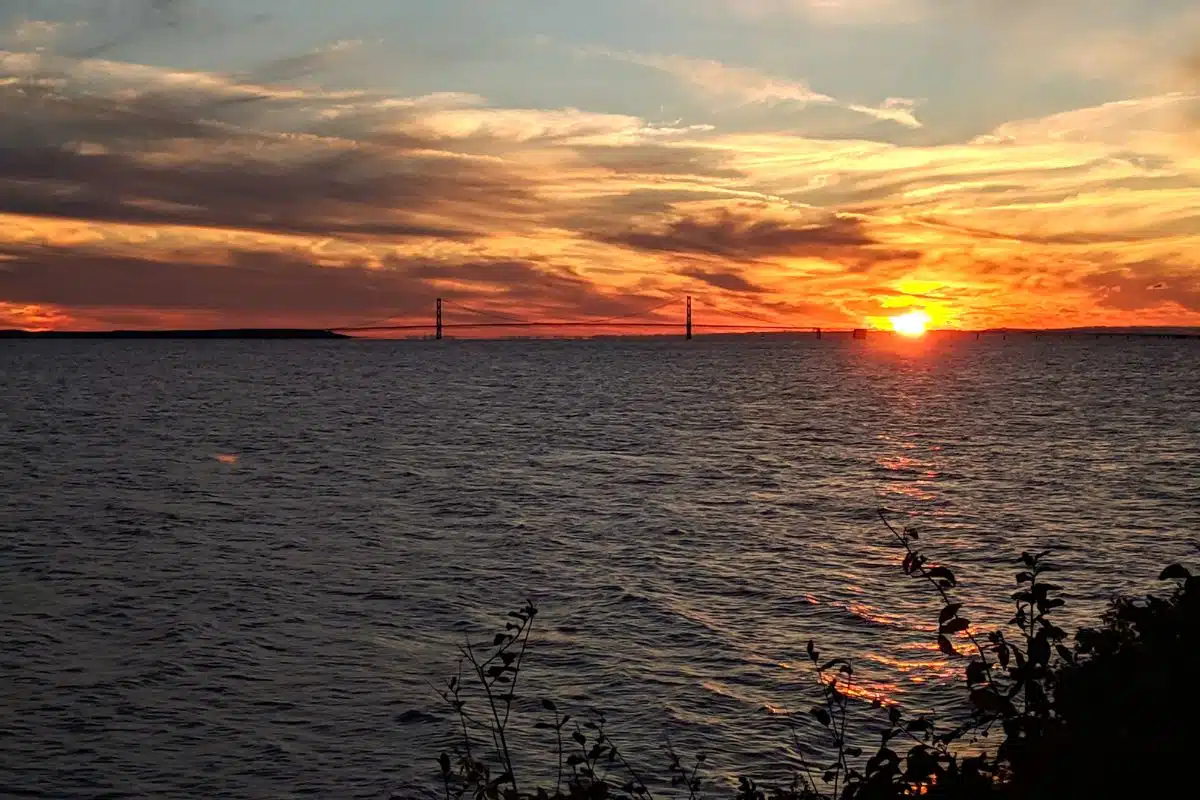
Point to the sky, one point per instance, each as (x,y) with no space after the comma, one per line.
(994,163)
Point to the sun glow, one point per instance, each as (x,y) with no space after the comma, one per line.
(912,323)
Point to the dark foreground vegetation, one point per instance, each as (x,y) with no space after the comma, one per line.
(1109,712)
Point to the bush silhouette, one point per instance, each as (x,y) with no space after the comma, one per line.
(1111,713)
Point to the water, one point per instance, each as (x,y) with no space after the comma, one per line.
(228,568)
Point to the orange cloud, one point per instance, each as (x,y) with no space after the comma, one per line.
(133,196)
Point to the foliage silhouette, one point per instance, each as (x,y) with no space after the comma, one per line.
(1111,714)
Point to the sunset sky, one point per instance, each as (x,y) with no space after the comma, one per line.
(809,162)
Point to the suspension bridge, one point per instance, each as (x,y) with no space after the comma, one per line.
(642,319)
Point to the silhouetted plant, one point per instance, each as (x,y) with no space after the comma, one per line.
(1116,711)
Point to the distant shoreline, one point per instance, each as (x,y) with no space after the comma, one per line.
(230,333)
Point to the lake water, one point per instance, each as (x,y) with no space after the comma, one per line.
(227,569)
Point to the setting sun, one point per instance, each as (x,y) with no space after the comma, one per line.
(912,323)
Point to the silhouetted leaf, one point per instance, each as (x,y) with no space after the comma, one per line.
(543,726)
(812,651)
(943,574)
(988,701)
(976,672)
(1028,560)
(949,611)
(444,763)
(913,533)
(499,639)
(829,776)
(579,737)
(918,725)
(574,760)
(1053,631)
(1039,650)
(884,756)
(1020,658)
(549,705)
(1065,654)
(844,665)
(821,714)
(945,646)
(956,625)
(1002,654)
(1175,572)
(1035,693)
(894,714)
(1024,577)
(854,752)
(920,763)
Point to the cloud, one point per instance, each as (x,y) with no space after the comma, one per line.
(568,126)
(1146,285)
(824,12)
(1116,122)
(241,287)
(244,285)
(746,86)
(334,194)
(36,31)
(108,142)
(894,109)
(742,84)
(730,281)
(111,26)
(745,236)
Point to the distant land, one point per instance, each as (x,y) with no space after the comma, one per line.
(230,333)
(1159,332)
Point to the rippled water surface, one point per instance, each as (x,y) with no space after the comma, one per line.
(228,568)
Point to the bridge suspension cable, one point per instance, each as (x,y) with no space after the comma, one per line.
(501,316)
(496,315)
(742,315)
(640,312)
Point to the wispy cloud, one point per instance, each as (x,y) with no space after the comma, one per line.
(741,84)
(895,109)
(825,12)
(746,86)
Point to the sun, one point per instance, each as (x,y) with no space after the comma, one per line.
(911,323)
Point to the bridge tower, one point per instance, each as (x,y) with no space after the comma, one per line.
(688,333)
(438,324)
